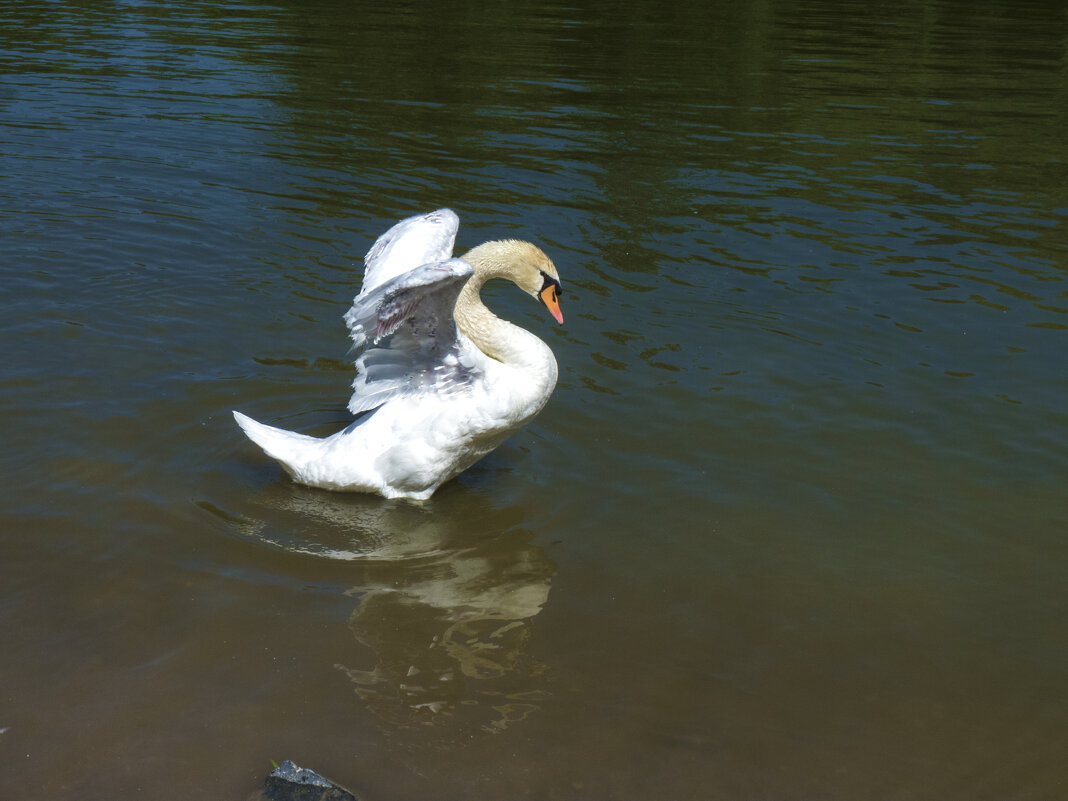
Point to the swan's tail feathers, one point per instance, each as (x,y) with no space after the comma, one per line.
(291,450)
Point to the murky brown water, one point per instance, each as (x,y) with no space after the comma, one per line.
(793,525)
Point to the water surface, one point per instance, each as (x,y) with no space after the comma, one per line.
(792,526)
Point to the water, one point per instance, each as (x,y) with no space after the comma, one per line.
(792,525)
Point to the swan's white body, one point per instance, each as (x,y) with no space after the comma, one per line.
(442,391)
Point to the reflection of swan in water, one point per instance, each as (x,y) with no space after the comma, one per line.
(447,592)
(455,621)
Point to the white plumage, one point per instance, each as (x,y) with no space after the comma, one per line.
(444,380)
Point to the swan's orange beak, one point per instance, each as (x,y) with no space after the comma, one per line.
(550,296)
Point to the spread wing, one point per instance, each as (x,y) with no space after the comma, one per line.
(421,349)
(410,243)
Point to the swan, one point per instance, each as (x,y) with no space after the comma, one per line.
(443,380)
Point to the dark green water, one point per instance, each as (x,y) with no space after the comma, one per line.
(793,526)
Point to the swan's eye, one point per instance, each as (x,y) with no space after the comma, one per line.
(550,282)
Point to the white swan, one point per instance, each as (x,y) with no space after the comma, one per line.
(447,380)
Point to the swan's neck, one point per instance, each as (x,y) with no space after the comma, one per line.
(497,338)
(490,333)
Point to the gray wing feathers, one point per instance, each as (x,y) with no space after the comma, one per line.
(421,350)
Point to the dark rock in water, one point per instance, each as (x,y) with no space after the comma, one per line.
(288,782)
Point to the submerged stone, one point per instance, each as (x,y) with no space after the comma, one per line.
(289,782)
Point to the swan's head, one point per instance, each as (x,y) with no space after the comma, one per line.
(522,263)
